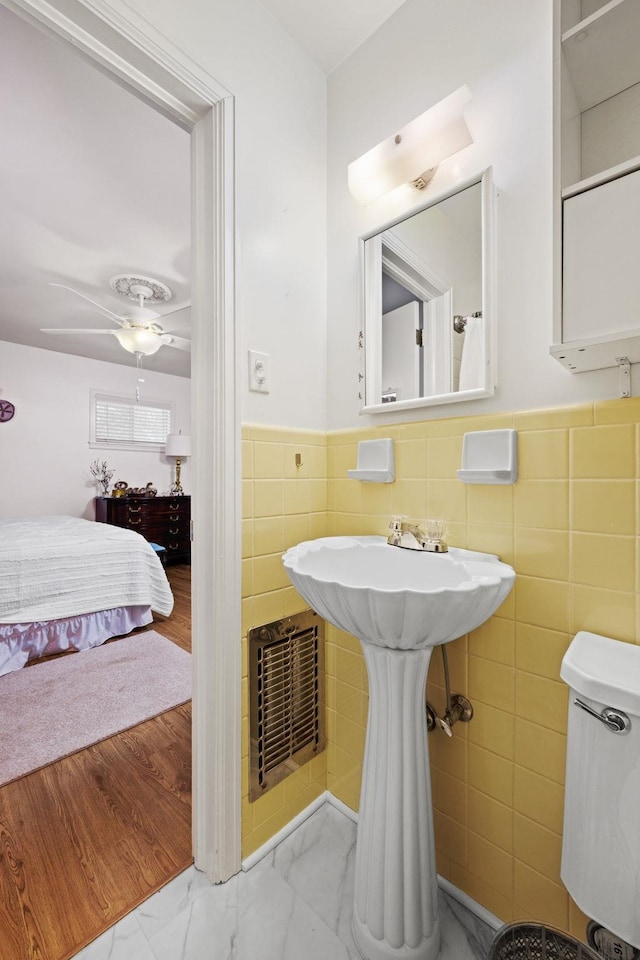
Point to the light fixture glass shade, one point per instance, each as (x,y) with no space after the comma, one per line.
(419,147)
(177,445)
(145,342)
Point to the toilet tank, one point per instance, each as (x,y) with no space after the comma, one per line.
(601,836)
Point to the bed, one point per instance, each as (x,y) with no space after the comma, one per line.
(71,584)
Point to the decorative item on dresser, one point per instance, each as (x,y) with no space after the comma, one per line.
(162,520)
(102,475)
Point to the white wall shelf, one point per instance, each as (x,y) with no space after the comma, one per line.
(596,354)
(489,457)
(629,166)
(376,461)
(602,52)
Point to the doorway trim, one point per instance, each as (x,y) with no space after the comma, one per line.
(126,46)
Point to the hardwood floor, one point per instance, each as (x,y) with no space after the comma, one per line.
(86,839)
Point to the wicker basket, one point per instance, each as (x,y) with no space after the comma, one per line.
(534,941)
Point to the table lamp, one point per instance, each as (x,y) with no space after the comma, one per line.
(177,445)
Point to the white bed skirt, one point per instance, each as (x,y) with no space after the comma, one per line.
(20,642)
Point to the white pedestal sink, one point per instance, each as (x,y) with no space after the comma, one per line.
(400,604)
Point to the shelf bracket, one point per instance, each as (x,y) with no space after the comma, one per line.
(624,376)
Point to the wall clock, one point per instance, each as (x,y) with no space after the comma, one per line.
(7,411)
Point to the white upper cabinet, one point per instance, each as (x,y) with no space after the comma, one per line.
(597,97)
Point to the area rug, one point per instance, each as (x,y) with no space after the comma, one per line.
(56,708)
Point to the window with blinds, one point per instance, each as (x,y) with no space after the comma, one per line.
(123,423)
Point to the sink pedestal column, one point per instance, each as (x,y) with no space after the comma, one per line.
(396,896)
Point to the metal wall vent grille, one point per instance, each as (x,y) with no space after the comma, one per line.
(286,690)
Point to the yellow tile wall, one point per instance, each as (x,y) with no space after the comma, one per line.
(282,505)
(570,528)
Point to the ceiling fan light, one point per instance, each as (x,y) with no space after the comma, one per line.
(145,342)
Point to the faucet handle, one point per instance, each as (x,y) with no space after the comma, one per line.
(431,535)
(436,529)
(395,530)
(445,726)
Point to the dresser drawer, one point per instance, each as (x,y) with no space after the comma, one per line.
(174,511)
(162,520)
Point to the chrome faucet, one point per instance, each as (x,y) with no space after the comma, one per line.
(417,534)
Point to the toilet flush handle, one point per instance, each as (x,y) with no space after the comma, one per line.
(615,720)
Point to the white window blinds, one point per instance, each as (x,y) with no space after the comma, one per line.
(121,422)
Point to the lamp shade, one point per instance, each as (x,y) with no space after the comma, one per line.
(137,340)
(177,445)
(413,151)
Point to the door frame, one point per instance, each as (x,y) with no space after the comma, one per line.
(403,265)
(386,253)
(127,47)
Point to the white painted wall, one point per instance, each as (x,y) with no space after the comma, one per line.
(280,97)
(503,50)
(44,450)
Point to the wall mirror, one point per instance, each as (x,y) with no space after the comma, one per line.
(429,303)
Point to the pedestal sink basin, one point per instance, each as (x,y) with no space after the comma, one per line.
(397,598)
(400,604)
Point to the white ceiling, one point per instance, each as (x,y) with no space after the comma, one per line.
(329,30)
(93,183)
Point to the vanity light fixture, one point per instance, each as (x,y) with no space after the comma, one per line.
(413,154)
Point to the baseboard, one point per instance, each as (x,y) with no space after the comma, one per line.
(327,797)
(470,904)
(341,807)
(286,831)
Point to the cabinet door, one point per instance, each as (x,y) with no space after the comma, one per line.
(601,276)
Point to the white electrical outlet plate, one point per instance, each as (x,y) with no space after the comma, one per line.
(259,371)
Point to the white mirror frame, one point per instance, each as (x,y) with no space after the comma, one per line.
(370,268)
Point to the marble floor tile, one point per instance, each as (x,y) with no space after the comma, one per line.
(479,933)
(256,914)
(124,941)
(156,912)
(318,861)
(295,904)
(457,942)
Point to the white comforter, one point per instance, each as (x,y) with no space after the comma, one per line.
(53,567)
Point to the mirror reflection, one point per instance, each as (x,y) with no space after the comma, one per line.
(425,315)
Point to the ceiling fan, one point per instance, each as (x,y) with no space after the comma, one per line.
(139,332)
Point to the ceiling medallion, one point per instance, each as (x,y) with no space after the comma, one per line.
(134,286)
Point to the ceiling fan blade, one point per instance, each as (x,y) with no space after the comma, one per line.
(107,313)
(169,313)
(75,330)
(180,343)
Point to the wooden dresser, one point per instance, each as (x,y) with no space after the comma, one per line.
(163,520)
